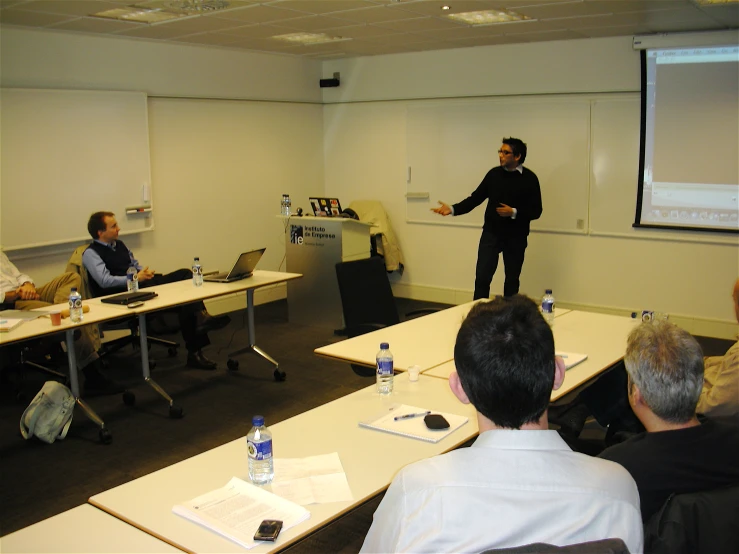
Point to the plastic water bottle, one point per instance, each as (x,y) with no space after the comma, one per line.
(132,279)
(547,306)
(197,273)
(385,373)
(288,205)
(75,306)
(259,445)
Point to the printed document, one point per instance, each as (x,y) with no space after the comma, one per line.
(311,480)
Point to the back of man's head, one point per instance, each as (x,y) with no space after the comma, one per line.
(666,363)
(505,360)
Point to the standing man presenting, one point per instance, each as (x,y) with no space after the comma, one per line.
(514,200)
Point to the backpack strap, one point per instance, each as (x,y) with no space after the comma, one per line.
(33,406)
(63,432)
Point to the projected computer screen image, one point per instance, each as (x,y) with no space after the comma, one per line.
(690,139)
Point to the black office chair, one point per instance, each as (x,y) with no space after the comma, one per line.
(695,523)
(603,546)
(75,265)
(367,300)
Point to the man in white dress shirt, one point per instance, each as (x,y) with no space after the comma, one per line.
(519,483)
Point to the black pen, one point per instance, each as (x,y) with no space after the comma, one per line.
(410,416)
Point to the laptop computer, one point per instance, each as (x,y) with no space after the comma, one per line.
(128,297)
(325,207)
(242,269)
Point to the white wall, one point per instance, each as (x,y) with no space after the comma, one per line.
(365,158)
(221,166)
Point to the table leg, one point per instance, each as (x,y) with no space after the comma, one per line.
(104,433)
(279,375)
(174,411)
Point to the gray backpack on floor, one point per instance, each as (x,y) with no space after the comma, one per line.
(49,414)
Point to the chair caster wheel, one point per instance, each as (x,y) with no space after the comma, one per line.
(232,365)
(105,436)
(280,375)
(172,352)
(129,398)
(176,412)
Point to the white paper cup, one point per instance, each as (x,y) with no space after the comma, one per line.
(413,373)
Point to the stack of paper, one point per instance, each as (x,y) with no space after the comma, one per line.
(8,324)
(236,510)
(312,480)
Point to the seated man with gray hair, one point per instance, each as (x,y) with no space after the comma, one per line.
(679,453)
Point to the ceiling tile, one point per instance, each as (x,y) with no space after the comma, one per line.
(257,31)
(377,14)
(569,9)
(13,16)
(313,23)
(433,7)
(728,15)
(359,31)
(259,14)
(419,24)
(200,24)
(551,35)
(97,25)
(465,32)
(70,7)
(322,6)
(159,32)
(620,31)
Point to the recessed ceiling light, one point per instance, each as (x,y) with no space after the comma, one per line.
(488,17)
(310,38)
(137,14)
(192,7)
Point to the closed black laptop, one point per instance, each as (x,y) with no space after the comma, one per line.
(128,297)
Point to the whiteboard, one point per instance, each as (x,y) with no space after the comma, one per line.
(65,154)
(451,145)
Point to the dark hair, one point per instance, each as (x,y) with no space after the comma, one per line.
(518,146)
(96,223)
(505,360)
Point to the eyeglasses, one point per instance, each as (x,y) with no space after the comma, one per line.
(505,152)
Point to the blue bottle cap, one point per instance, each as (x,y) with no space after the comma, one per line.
(384,346)
(257,421)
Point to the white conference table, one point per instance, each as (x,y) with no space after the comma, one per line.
(602,337)
(424,341)
(169,296)
(370,459)
(84,529)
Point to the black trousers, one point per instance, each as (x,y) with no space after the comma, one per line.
(194,341)
(491,245)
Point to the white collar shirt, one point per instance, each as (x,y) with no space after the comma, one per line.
(510,488)
(10,277)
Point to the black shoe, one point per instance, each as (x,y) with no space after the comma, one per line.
(97,384)
(198,360)
(208,322)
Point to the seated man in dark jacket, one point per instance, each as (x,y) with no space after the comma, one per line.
(679,453)
(107,259)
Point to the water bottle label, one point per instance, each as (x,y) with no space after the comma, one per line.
(260,450)
(385,367)
(75,303)
(547,307)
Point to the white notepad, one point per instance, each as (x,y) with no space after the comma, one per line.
(414,428)
(571,358)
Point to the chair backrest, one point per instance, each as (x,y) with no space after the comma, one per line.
(604,546)
(366,296)
(695,523)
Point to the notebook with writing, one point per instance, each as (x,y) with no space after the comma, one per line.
(243,268)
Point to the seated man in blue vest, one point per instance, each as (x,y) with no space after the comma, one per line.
(107,259)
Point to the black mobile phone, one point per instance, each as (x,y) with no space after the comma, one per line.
(135,304)
(268,530)
(436,422)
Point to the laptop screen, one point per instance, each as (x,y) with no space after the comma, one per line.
(325,207)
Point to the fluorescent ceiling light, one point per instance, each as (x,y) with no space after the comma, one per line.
(487,17)
(137,14)
(192,7)
(310,38)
